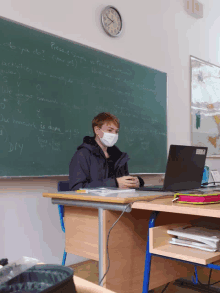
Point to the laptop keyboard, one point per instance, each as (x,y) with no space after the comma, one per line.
(151,188)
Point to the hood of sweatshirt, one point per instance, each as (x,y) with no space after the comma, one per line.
(90,143)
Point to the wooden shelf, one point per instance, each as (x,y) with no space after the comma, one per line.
(159,244)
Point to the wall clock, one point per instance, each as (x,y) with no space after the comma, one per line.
(111,21)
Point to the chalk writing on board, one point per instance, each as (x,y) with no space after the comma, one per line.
(55,47)
(145,145)
(101,109)
(110,67)
(38,87)
(2,106)
(127,109)
(67,52)
(123,113)
(18,66)
(3,133)
(42,126)
(62,78)
(73,131)
(8,71)
(3,119)
(124,93)
(27,124)
(69,131)
(38,113)
(36,51)
(40,73)
(118,79)
(6,90)
(15,147)
(47,131)
(39,53)
(13,47)
(47,100)
(71,62)
(130,141)
(23,97)
(55,146)
(9,45)
(54,128)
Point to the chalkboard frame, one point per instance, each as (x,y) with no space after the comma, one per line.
(98,51)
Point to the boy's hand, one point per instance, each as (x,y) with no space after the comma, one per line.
(128,182)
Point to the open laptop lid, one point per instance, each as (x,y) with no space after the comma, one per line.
(185,167)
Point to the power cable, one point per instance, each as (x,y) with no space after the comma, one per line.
(128,205)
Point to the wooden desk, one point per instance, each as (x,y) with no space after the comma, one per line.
(127,243)
(83,286)
(166,205)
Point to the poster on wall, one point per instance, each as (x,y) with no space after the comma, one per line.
(205,105)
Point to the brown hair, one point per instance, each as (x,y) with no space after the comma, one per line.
(104,117)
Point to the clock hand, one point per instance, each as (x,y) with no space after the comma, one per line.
(110,18)
(110,23)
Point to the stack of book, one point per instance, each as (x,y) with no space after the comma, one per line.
(196,237)
(104,191)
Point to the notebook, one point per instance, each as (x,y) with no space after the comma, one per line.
(184,169)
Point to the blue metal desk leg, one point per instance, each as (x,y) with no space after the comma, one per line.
(64,258)
(146,281)
(61,215)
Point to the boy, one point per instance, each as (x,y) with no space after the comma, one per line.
(98,162)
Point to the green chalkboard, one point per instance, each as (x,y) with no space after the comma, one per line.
(51,89)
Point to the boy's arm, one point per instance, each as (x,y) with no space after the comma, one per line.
(126,173)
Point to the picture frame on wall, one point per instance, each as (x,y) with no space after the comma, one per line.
(205,105)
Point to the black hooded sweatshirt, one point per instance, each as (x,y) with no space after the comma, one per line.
(89,167)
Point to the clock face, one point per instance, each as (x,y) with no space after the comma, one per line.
(111,21)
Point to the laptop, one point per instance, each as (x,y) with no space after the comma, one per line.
(184,169)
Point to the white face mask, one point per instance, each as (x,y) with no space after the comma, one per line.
(109,139)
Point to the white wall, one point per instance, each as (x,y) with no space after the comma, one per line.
(158,34)
(29,223)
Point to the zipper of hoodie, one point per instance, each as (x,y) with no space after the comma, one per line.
(118,164)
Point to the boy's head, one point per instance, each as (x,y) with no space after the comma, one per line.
(105,121)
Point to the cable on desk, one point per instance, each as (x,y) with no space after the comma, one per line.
(209,279)
(207,183)
(208,286)
(129,204)
(165,287)
(214,283)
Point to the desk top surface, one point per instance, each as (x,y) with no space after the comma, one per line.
(146,200)
(123,197)
(165,204)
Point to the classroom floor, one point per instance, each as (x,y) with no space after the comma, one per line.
(88,270)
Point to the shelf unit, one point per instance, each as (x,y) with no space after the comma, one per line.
(159,244)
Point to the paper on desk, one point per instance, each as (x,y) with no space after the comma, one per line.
(105,191)
(215,176)
(199,234)
(192,244)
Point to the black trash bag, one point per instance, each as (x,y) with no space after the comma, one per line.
(41,279)
(3,261)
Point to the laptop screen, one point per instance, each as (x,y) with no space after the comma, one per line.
(185,167)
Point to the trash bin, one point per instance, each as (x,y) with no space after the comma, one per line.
(41,279)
